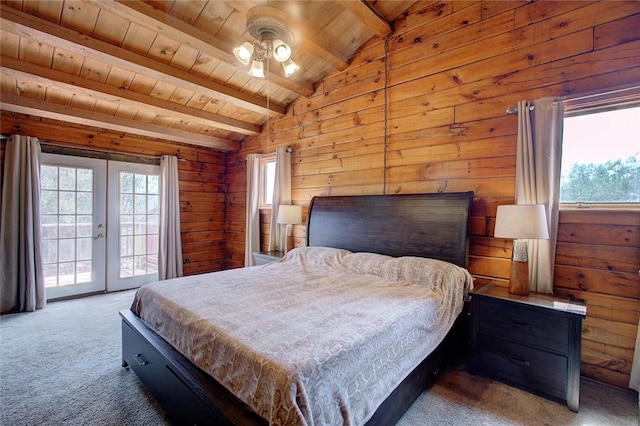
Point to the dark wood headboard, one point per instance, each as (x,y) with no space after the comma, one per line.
(425,225)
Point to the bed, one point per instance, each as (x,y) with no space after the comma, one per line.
(371,265)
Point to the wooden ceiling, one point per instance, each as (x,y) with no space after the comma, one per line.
(165,69)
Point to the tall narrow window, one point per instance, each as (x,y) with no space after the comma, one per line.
(267,179)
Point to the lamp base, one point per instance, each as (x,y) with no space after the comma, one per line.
(288,243)
(519,278)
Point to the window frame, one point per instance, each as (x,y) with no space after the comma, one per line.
(594,104)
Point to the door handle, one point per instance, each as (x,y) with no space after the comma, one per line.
(100,235)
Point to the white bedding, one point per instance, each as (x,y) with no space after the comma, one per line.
(320,337)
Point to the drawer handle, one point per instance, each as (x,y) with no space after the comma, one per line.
(520,324)
(139,360)
(520,361)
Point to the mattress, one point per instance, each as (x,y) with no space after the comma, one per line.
(320,337)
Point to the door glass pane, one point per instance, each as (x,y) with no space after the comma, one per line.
(67,222)
(138,224)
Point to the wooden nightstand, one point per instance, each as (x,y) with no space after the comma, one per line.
(264,257)
(532,342)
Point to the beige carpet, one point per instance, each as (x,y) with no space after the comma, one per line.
(61,366)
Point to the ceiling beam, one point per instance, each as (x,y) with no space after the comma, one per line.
(158,21)
(39,108)
(21,70)
(29,26)
(368,17)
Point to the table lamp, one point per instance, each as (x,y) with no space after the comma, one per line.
(289,215)
(521,222)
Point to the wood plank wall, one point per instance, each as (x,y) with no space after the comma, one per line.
(432,118)
(202,186)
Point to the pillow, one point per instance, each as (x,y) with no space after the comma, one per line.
(427,272)
(316,256)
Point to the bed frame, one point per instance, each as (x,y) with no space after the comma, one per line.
(426,225)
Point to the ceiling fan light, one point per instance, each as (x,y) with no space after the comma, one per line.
(243,52)
(281,51)
(289,67)
(257,69)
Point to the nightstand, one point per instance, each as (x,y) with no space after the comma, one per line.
(531,342)
(264,257)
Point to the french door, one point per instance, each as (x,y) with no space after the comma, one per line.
(99,225)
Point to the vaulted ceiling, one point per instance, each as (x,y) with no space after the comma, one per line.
(165,69)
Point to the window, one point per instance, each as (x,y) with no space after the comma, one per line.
(267,180)
(601,153)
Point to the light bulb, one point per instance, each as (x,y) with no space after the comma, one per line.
(281,51)
(257,69)
(243,52)
(289,67)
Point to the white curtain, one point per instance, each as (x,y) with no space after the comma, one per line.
(281,195)
(170,254)
(21,272)
(538,159)
(634,380)
(252,225)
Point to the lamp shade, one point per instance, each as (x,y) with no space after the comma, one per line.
(527,221)
(289,215)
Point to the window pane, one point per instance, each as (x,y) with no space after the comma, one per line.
(68,178)
(84,250)
(126,204)
(141,184)
(49,227)
(67,202)
(153,184)
(67,226)
(268,181)
(153,204)
(126,224)
(126,246)
(85,180)
(601,157)
(85,202)
(49,177)
(126,183)
(50,275)
(84,226)
(49,202)
(140,204)
(49,251)
(83,272)
(67,250)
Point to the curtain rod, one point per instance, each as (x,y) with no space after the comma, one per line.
(514,109)
(91,149)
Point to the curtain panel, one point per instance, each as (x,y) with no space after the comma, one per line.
(281,195)
(170,253)
(21,271)
(252,225)
(538,156)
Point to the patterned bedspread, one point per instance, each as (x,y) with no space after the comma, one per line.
(320,337)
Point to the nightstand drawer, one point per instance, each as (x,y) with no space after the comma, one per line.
(532,369)
(530,326)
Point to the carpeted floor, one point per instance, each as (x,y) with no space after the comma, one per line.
(61,365)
